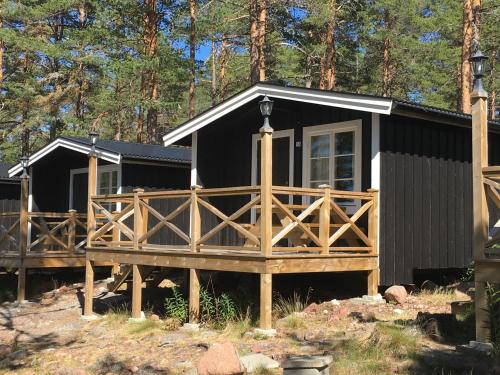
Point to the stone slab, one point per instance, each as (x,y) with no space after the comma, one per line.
(252,362)
(307,361)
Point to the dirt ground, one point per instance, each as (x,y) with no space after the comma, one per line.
(48,336)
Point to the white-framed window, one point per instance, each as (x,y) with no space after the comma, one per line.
(332,155)
(109,179)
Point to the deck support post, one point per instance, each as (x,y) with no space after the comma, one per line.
(138,219)
(324,220)
(373,275)
(479,99)
(266,295)
(92,190)
(194,274)
(136,292)
(266,189)
(115,233)
(72,231)
(89,288)
(23,236)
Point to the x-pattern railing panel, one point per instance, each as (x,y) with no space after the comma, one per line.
(9,231)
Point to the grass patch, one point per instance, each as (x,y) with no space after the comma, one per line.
(386,345)
(144,326)
(438,297)
(117,315)
(283,307)
(294,322)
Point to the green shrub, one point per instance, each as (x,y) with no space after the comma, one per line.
(225,309)
(493,307)
(177,306)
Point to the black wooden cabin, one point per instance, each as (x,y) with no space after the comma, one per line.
(419,157)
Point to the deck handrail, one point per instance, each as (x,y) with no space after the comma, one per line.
(322,225)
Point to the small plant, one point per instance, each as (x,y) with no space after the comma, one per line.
(469,273)
(177,306)
(225,309)
(493,308)
(287,306)
(294,322)
(207,305)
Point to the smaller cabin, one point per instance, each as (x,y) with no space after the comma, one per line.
(48,226)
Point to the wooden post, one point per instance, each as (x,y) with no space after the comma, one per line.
(115,237)
(373,275)
(71,230)
(266,190)
(324,220)
(266,300)
(89,288)
(136,292)
(138,222)
(23,237)
(92,190)
(194,274)
(480,207)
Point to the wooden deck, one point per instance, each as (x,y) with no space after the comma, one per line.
(303,230)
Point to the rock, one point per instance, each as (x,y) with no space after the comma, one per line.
(219,359)
(334,302)
(48,295)
(429,285)
(4,350)
(307,365)
(461,295)
(190,327)
(312,308)
(133,369)
(253,362)
(171,339)
(154,318)
(363,317)
(47,301)
(167,284)
(70,371)
(396,293)
(398,311)
(63,289)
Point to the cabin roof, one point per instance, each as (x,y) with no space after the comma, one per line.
(113,151)
(4,173)
(355,101)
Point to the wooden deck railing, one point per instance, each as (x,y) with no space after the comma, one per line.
(51,232)
(491,179)
(304,220)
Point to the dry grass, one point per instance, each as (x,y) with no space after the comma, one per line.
(144,326)
(439,297)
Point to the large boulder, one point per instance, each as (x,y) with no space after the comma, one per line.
(220,359)
(396,293)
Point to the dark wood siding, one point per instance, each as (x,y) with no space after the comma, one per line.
(225,148)
(426,196)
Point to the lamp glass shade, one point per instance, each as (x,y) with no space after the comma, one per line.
(93,137)
(478,63)
(266,106)
(24,161)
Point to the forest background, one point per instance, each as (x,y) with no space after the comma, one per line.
(133,70)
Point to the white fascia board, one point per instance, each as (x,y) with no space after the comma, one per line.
(331,99)
(65,143)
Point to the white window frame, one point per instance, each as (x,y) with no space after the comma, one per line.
(287,133)
(100,169)
(331,129)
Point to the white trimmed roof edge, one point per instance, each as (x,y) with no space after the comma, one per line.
(71,145)
(327,98)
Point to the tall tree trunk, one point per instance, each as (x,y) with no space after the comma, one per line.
(2,47)
(80,99)
(223,65)
(387,61)
(254,42)
(330,47)
(140,115)
(150,85)
(213,77)
(262,39)
(192,62)
(491,106)
(470,32)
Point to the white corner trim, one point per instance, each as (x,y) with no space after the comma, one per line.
(375,164)
(71,145)
(327,98)
(194,159)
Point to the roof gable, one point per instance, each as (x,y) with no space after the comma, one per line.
(328,98)
(112,151)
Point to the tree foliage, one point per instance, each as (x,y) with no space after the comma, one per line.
(124,67)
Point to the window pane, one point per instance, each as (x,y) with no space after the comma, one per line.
(344,143)
(114,180)
(320,169)
(320,146)
(104,181)
(344,167)
(347,185)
